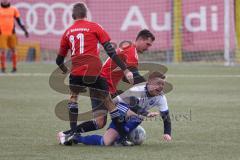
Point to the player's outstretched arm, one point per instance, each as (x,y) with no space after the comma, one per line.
(113,55)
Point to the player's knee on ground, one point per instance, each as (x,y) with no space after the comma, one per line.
(101,121)
(107,143)
(110,136)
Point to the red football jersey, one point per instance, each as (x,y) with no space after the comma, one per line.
(113,73)
(82,39)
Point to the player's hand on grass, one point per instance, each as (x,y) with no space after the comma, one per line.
(129,76)
(167,137)
(153,114)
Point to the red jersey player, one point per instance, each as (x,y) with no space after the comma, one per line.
(129,55)
(113,73)
(82,39)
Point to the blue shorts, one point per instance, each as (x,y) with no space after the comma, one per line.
(112,125)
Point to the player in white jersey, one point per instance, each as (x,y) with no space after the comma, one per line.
(139,99)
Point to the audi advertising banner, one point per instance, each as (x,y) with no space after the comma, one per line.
(202,21)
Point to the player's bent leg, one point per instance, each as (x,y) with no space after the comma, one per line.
(131,122)
(101,121)
(102,94)
(110,136)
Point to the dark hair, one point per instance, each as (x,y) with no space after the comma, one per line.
(79,11)
(145,34)
(156,74)
(5,5)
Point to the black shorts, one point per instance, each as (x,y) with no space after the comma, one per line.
(98,88)
(88,81)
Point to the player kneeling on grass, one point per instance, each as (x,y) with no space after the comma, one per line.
(139,100)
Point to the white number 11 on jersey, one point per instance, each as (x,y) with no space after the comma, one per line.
(80,37)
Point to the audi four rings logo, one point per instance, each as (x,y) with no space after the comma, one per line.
(48,11)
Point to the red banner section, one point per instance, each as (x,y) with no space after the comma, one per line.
(203,21)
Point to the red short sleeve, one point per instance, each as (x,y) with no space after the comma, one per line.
(16,13)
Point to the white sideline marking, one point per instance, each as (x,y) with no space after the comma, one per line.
(168,75)
(24,74)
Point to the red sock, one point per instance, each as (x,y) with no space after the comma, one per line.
(3,60)
(14,60)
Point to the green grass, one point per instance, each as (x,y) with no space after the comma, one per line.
(204,109)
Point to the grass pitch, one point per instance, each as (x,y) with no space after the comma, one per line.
(204,106)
